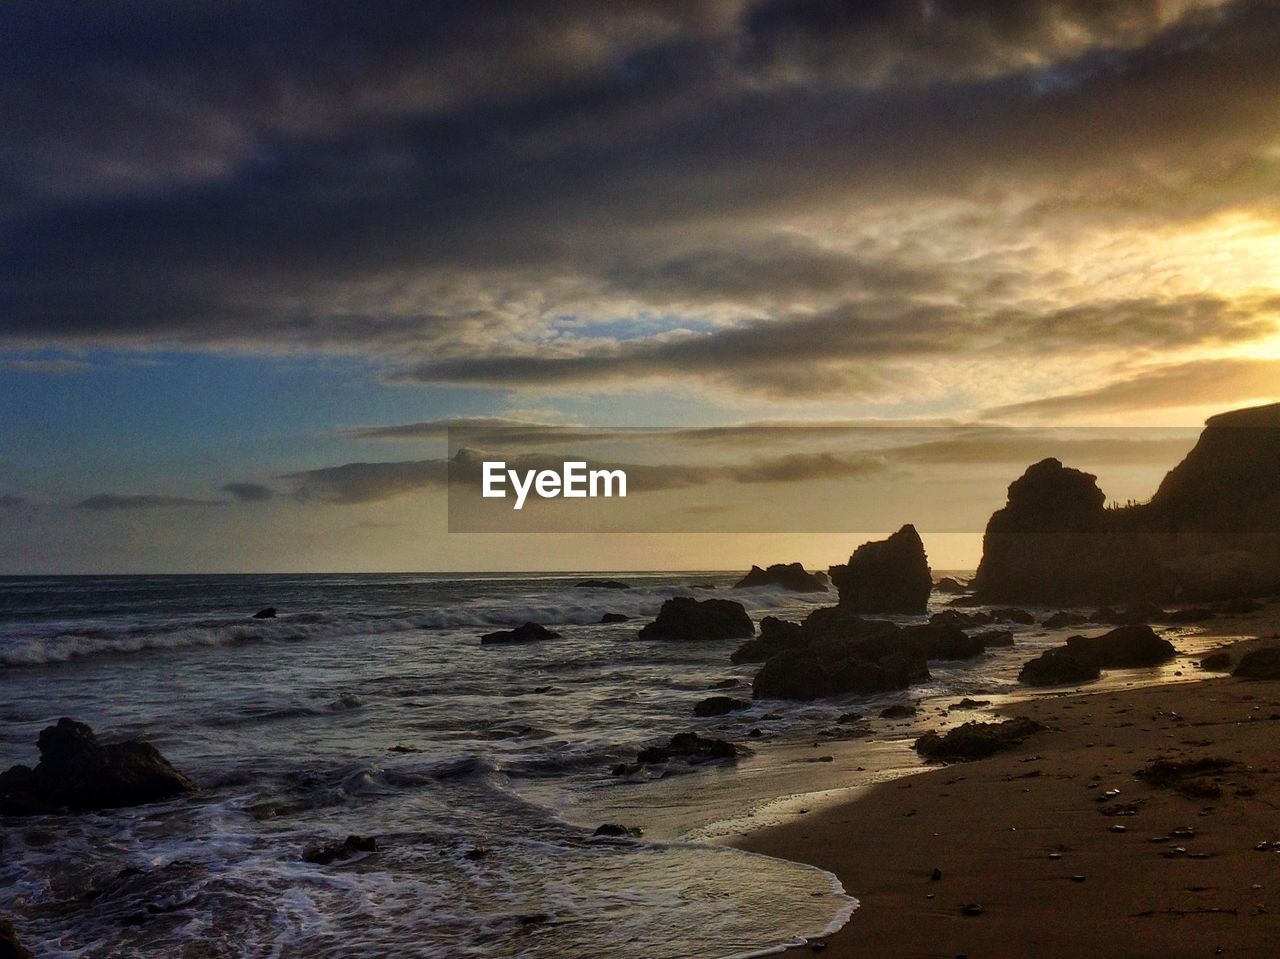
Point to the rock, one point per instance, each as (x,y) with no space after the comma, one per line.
(1128,646)
(975,740)
(792,576)
(1189,614)
(950,586)
(614,618)
(10,946)
(1259,664)
(1106,616)
(601,584)
(1238,607)
(1219,662)
(942,642)
(686,619)
(77,772)
(614,830)
(898,711)
(528,633)
(688,746)
(953,617)
(1064,620)
(1056,667)
(775,636)
(268,613)
(1141,613)
(333,852)
(719,706)
(968,703)
(994,638)
(971,909)
(886,576)
(1019,616)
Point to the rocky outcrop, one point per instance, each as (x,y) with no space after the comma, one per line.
(791,576)
(1259,664)
(975,740)
(268,613)
(719,706)
(79,773)
(686,619)
(1064,620)
(528,633)
(886,576)
(686,747)
(775,636)
(1057,667)
(10,946)
(950,586)
(1123,648)
(614,618)
(1211,531)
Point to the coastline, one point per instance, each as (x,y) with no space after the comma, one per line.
(991,826)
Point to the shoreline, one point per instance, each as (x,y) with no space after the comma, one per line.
(990,828)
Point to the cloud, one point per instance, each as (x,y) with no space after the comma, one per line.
(248,492)
(46,367)
(355,483)
(1194,383)
(114,501)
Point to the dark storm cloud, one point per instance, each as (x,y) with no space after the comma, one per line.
(1199,382)
(436,180)
(249,492)
(112,501)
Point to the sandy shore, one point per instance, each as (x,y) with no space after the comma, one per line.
(1055,863)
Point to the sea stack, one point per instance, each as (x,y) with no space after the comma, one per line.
(886,576)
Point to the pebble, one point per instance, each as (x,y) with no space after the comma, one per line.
(971,909)
(1077,878)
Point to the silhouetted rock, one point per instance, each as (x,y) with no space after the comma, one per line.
(775,636)
(1057,667)
(611,829)
(975,740)
(942,642)
(951,586)
(792,576)
(268,613)
(1219,662)
(10,946)
(719,706)
(1238,607)
(886,576)
(898,711)
(1259,664)
(994,638)
(685,618)
(1019,616)
(1211,531)
(1189,614)
(528,633)
(77,772)
(953,617)
(1128,646)
(614,618)
(686,746)
(1064,620)
(601,584)
(332,852)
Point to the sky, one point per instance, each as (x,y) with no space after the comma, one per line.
(256,258)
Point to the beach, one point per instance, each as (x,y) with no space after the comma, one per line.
(1058,848)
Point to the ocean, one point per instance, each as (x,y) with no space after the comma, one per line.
(369,707)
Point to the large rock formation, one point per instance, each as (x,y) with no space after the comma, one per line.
(684,618)
(886,576)
(1212,530)
(792,576)
(77,772)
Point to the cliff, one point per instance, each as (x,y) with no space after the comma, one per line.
(1212,530)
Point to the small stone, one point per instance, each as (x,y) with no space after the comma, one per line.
(935,875)
(1077,878)
(971,909)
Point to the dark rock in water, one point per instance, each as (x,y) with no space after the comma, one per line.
(968,703)
(1057,667)
(601,584)
(268,613)
(848,717)
(950,586)
(1107,616)
(898,711)
(1217,662)
(953,617)
(775,636)
(942,642)
(77,772)
(886,576)
(1259,664)
(685,618)
(975,740)
(1211,531)
(528,633)
(614,618)
(1189,614)
(10,946)
(1128,646)
(971,909)
(475,853)
(1137,614)
(792,576)
(687,746)
(1019,616)
(994,638)
(333,852)
(614,830)
(1238,607)
(1064,620)
(719,706)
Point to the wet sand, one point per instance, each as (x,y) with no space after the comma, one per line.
(1050,860)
